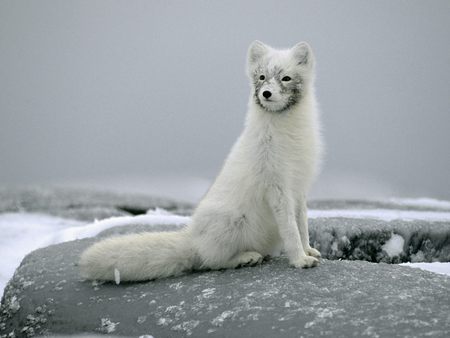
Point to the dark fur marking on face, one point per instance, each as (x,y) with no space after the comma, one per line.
(291,89)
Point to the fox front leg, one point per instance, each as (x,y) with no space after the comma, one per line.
(283,209)
(302,223)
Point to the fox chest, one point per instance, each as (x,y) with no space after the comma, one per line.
(275,156)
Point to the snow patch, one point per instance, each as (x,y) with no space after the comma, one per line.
(322,314)
(164,321)
(394,246)
(187,326)
(176,286)
(208,292)
(25,232)
(22,233)
(93,229)
(14,304)
(421,202)
(108,326)
(218,321)
(141,319)
(436,267)
(382,214)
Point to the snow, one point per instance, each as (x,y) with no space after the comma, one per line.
(421,202)
(382,214)
(90,230)
(107,325)
(25,232)
(394,246)
(436,267)
(208,292)
(218,321)
(22,233)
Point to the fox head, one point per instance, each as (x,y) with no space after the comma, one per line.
(279,78)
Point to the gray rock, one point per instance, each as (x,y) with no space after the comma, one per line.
(83,204)
(338,299)
(363,239)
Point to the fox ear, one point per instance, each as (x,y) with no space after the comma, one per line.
(303,54)
(256,51)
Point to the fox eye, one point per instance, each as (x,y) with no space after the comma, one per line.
(262,77)
(286,78)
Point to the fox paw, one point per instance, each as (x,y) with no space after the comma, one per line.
(249,258)
(313,252)
(305,262)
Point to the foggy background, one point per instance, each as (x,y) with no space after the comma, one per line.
(149,96)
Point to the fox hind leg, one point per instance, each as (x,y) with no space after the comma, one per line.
(246,258)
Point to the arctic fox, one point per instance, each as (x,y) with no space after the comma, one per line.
(257,203)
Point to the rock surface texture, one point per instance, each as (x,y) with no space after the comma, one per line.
(340,298)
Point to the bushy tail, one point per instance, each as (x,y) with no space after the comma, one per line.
(139,257)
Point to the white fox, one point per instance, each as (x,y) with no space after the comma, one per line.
(257,203)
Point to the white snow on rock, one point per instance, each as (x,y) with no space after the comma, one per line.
(421,202)
(108,326)
(218,321)
(90,230)
(382,214)
(394,246)
(208,292)
(22,233)
(186,326)
(436,267)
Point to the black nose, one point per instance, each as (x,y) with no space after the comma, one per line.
(267,94)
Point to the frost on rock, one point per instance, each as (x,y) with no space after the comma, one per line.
(338,298)
(141,319)
(176,286)
(218,321)
(186,327)
(208,292)
(375,235)
(107,326)
(164,321)
(14,304)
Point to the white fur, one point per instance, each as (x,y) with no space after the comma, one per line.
(256,205)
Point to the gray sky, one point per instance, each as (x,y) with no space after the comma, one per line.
(94,89)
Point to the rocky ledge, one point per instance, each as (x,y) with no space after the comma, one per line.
(83,204)
(340,298)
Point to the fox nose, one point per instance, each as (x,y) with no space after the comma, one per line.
(267,94)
